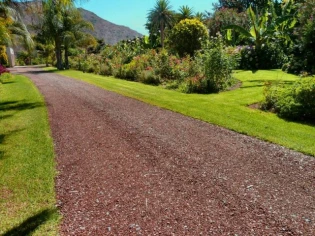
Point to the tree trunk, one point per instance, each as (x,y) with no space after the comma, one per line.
(58,53)
(162,34)
(66,58)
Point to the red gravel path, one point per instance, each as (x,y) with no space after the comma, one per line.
(128,168)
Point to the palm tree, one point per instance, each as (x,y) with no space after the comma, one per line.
(73,25)
(52,27)
(200,16)
(11,25)
(161,17)
(185,12)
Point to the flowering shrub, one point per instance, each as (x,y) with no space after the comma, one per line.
(3,69)
(270,56)
(203,73)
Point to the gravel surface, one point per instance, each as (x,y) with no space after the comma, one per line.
(129,168)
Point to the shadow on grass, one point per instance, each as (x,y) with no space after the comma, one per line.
(32,223)
(3,136)
(271,81)
(262,83)
(19,105)
(8,82)
(310,123)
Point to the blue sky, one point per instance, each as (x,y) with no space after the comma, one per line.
(133,13)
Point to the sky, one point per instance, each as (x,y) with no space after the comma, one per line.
(133,13)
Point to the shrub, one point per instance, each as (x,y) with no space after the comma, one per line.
(188,36)
(106,68)
(3,70)
(5,77)
(296,102)
(148,77)
(196,84)
(218,66)
(3,56)
(164,65)
(270,56)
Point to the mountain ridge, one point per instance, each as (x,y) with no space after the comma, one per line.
(104,29)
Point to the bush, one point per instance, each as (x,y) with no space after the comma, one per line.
(188,36)
(3,56)
(148,77)
(296,102)
(218,66)
(196,84)
(3,70)
(5,77)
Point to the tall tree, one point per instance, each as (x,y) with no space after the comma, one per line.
(241,5)
(73,26)
(53,28)
(160,17)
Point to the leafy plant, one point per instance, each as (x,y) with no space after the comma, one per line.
(218,66)
(5,77)
(296,102)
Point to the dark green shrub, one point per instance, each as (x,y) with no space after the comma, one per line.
(296,102)
(270,56)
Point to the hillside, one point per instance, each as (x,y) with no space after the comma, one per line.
(106,30)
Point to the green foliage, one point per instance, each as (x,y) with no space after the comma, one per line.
(188,36)
(3,55)
(268,34)
(270,56)
(185,12)
(224,17)
(303,53)
(149,77)
(218,66)
(6,77)
(241,5)
(160,18)
(296,102)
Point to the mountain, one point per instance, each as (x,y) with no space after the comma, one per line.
(106,30)
(103,29)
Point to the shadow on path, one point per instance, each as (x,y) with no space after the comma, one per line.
(32,223)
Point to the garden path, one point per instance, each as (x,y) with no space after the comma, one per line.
(129,168)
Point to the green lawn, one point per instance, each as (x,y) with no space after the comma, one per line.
(27,166)
(228,109)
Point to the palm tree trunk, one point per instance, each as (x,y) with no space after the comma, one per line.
(58,53)
(66,58)
(162,34)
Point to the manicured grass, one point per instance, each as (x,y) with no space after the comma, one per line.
(228,109)
(27,166)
